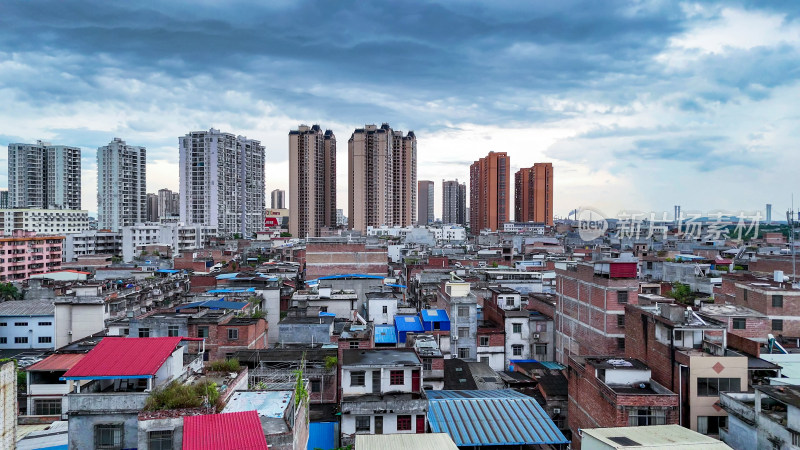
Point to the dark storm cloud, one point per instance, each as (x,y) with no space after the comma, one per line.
(424,51)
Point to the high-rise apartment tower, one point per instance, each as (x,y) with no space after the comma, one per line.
(312,181)
(222,182)
(490,192)
(121,185)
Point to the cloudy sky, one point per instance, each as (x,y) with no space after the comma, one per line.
(640,105)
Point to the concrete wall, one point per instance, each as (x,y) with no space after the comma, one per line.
(172,423)
(347,389)
(375,311)
(740,435)
(389,424)
(272,307)
(81,319)
(304,333)
(8,413)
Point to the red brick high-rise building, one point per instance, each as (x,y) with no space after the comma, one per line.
(490,192)
(533,194)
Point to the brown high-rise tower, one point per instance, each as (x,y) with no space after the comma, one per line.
(382,177)
(533,194)
(312,180)
(490,192)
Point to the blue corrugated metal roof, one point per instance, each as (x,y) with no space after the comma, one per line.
(435,315)
(547,364)
(326,314)
(384,334)
(214,304)
(395,285)
(225,276)
(408,323)
(491,417)
(346,275)
(230,291)
(167,271)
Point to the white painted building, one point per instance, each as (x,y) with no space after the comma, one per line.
(524,227)
(27,324)
(121,185)
(382,393)
(77,317)
(44,221)
(518,334)
(178,236)
(448,233)
(222,182)
(381,307)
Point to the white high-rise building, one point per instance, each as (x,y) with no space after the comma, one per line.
(44,176)
(222,182)
(121,185)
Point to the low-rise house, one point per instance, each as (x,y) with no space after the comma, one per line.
(27,324)
(283,415)
(46,391)
(111,384)
(382,393)
(616,392)
(766,418)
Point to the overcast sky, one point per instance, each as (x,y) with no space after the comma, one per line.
(639,105)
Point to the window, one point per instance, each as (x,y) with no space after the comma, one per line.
(463,311)
(3,324)
(711,387)
(144,332)
(316,386)
(45,339)
(516,327)
(397,377)
(20,324)
(777,301)
(427,364)
(20,340)
(3,340)
(485,359)
(516,350)
(403,423)
(202,332)
(621,321)
(777,324)
(45,324)
(108,436)
(622,297)
(509,301)
(172,330)
(711,424)
(353,344)
(385,309)
(160,440)
(484,341)
(233,334)
(357,378)
(437,326)
(739,323)
(744,294)
(645,417)
(48,407)
(649,264)
(362,424)
(463,353)
(463,332)
(126,331)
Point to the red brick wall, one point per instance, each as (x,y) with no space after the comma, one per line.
(646,348)
(202,283)
(762,302)
(592,405)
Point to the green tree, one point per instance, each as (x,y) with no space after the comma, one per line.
(285,234)
(9,292)
(681,292)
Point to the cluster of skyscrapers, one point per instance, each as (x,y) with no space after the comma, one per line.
(490,192)
(222,184)
(382,179)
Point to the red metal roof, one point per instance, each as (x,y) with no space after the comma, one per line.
(120,357)
(228,431)
(57,362)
